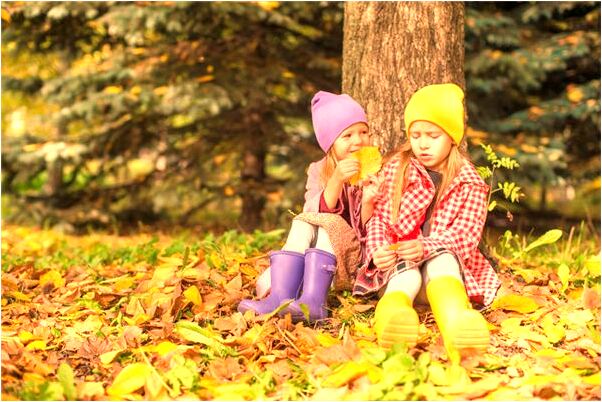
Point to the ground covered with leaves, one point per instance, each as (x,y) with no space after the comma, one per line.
(154,317)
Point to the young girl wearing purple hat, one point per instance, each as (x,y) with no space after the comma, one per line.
(326,240)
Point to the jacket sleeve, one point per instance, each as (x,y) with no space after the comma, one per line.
(313,189)
(338,208)
(464,234)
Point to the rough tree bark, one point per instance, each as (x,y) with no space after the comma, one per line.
(391,49)
(253,176)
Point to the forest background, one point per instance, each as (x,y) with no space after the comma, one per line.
(196,114)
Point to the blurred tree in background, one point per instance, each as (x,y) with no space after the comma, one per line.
(160,110)
(197,113)
(533,82)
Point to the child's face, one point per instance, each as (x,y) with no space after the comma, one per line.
(351,139)
(430,144)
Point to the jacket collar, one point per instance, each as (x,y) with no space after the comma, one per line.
(467,174)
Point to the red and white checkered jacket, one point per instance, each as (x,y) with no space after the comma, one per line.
(456,226)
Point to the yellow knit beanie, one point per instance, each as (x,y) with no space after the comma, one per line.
(440,104)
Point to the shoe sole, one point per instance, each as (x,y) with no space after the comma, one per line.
(400,328)
(470,332)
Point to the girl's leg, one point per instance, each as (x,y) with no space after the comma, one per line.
(285,273)
(323,241)
(408,282)
(462,328)
(301,237)
(395,320)
(320,265)
(444,266)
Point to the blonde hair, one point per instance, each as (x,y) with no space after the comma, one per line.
(330,164)
(455,160)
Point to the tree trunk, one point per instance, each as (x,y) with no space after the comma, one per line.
(253,177)
(391,49)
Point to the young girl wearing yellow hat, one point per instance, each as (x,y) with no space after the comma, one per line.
(423,236)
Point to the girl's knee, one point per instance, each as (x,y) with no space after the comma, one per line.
(445,264)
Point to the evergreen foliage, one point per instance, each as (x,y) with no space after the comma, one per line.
(533,83)
(197,112)
(146,107)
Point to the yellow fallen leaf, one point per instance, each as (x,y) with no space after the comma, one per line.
(33,377)
(554,333)
(25,336)
(345,373)
(193,295)
(36,345)
(108,357)
(550,353)
(53,277)
(130,379)
(542,379)
(370,163)
(15,294)
(165,347)
(89,391)
(124,283)
(513,302)
(66,378)
(564,274)
(327,340)
(153,386)
(137,319)
(593,379)
(164,273)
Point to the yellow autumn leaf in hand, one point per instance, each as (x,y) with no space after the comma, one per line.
(370,163)
(129,379)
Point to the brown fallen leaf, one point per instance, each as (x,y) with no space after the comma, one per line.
(225,369)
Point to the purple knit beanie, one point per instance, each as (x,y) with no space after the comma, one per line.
(331,114)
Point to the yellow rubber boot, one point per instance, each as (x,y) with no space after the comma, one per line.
(396,320)
(463,329)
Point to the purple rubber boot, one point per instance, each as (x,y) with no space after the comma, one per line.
(286,275)
(319,271)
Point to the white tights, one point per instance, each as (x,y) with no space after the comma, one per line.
(413,282)
(304,235)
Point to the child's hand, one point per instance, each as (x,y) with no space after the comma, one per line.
(384,258)
(371,188)
(346,169)
(410,250)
